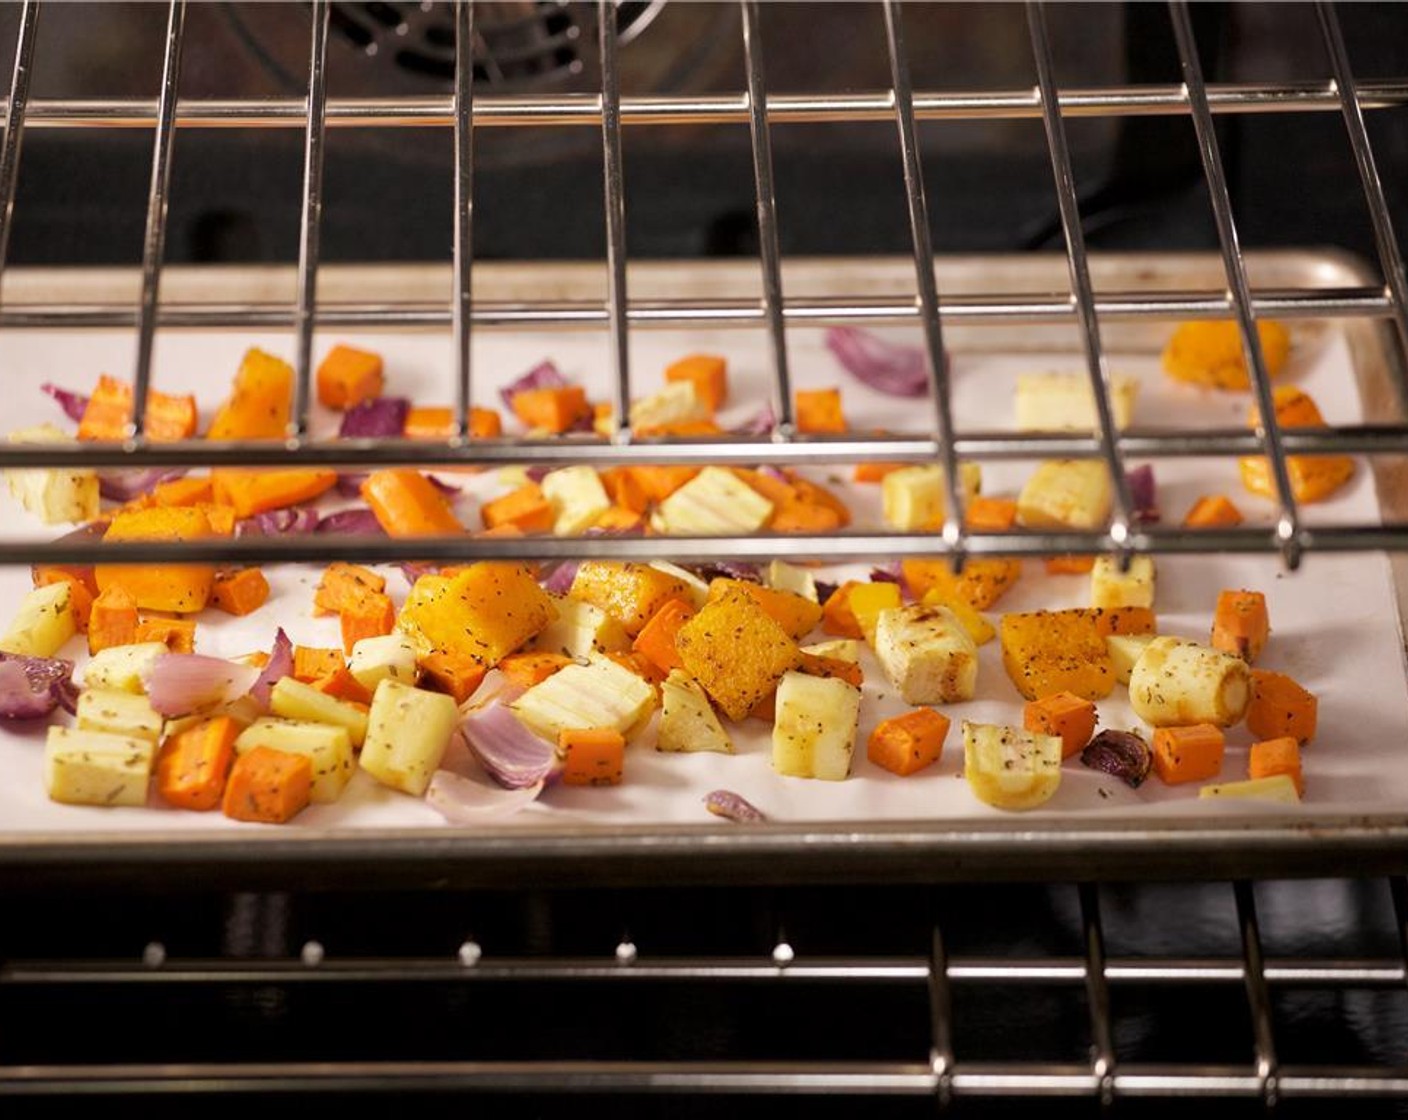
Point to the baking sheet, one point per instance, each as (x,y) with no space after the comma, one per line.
(1334,622)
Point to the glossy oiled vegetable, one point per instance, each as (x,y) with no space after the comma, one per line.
(927,654)
(43,623)
(348,376)
(486,611)
(591,756)
(983,581)
(268,786)
(327,746)
(1209,352)
(794,613)
(687,719)
(260,402)
(907,744)
(632,593)
(114,712)
(600,693)
(737,651)
(1280,707)
(408,732)
(815,732)
(1065,651)
(1240,624)
(252,492)
(93,768)
(294,700)
(194,764)
(182,588)
(1009,768)
(54,496)
(1188,754)
(1069,717)
(407,504)
(1177,682)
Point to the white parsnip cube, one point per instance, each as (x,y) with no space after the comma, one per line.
(44,622)
(915,497)
(1125,650)
(1279,789)
(1056,402)
(1066,494)
(599,693)
(814,734)
(687,719)
(927,654)
(1110,587)
(119,713)
(843,649)
(715,502)
(788,577)
(580,630)
(295,700)
(122,667)
(388,655)
(1009,768)
(93,768)
(326,746)
(698,588)
(577,498)
(408,732)
(1176,683)
(64,494)
(676,403)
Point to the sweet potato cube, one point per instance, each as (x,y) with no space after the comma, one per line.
(982,582)
(709,375)
(176,634)
(1188,754)
(1065,715)
(348,376)
(1277,756)
(819,410)
(591,756)
(525,508)
(837,616)
(183,588)
(1240,625)
(630,593)
(1280,707)
(908,743)
(484,612)
(1056,651)
(737,651)
(794,613)
(656,641)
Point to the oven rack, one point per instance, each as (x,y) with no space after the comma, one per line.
(761,110)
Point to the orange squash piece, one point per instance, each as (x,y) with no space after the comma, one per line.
(268,786)
(837,617)
(630,593)
(1313,478)
(439,423)
(553,410)
(373,617)
(184,492)
(990,515)
(1209,352)
(819,410)
(407,504)
(983,581)
(525,508)
(794,613)
(1069,565)
(709,375)
(348,376)
(240,592)
(176,634)
(1188,754)
(1240,625)
(1065,715)
(340,684)
(591,756)
(112,620)
(194,764)
(251,492)
(182,588)
(534,667)
(656,641)
(1280,707)
(457,676)
(1213,511)
(312,662)
(907,744)
(345,585)
(659,483)
(111,406)
(260,403)
(1277,756)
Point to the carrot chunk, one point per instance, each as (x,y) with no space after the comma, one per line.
(184,492)
(454,674)
(177,634)
(372,617)
(439,423)
(113,619)
(1280,707)
(659,483)
(817,666)
(111,406)
(345,585)
(1276,756)
(819,410)
(525,507)
(592,756)
(312,662)
(240,592)
(709,375)
(1213,511)
(837,616)
(1069,565)
(268,786)
(656,640)
(194,764)
(347,377)
(1188,754)
(528,669)
(250,492)
(1240,625)
(990,515)
(624,489)
(908,743)
(553,410)
(407,504)
(1064,714)
(342,685)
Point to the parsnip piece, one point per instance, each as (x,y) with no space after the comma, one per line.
(1279,788)
(698,588)
(599,694)
(408,731)
(1066,494)
(843,649)
(914,497)
(687,719)
(715,502)
(676,403)
(92,768)
(64,494)
(389,655)
(1176,683)
(295,700)
(577,498)
(814,735)
(44,622)
(327,747)
(122,667)
(1055,402)
(1110,587)
(580,630)
(927,654)
(783,576)
(1124,652)
(118,713)
(1008,768)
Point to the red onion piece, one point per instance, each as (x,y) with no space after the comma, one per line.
(559,579)
(537,474)
(761,423)
(726,803)
(1122,754)
(544,375)
(73,404)
(32,687)
(349,484)
(1144,494)
(181,683)
(277,522)
(378,418)
(353,522)
(464,801)
(123,486)
(825,589)
(726,569)
(280,665)
(412,571)
(898,371)
(511,754)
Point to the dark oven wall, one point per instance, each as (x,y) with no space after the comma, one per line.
(689,188)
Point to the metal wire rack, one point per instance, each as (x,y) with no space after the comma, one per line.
(935,1072)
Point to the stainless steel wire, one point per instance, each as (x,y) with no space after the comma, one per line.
(17,103)
(310,223)
(1258,998)
(462,311)
(154,240)
(613,175)
(1097,991)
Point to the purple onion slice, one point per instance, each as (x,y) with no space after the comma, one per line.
(280,665)
(898,371)
(32,687)
(378,418)
(726,803)
(73,404)
(544,375)
(1122,754)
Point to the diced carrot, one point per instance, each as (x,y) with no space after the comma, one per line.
(591,756)
(681,428)
(656,640)
(709,375)
(819,410)
(342,685)
(1063,714)
(660,482)
(908,743)
(624,489)
(80,598)
(44,574)
(1213,511)
(617,519)
(553,410)
(249,492)
(1069,565)
(525,507)
(803,517)
(113,619)
(439,423)
(1240,625)
(371,618)
(260,402)
(347,377)
(775,489)
(184,588)
(1276,756)
(837,617)
(194,764)
(177,634)
(990,515)
(407,504)
(313,662)
(875,472)
(528,669)
(240,592)
(1188,754)
(345,585)
(452,673)
(498,531)
(110,409)
(817,666)
(809,491)
(268,786)
(184,492)
(485,423)
(1280,707)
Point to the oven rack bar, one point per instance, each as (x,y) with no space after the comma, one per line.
(556,110)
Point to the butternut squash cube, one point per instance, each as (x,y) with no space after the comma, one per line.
(183,588)
(630,593)
(982,582)
(737,651)
(795,614)
(484,612)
